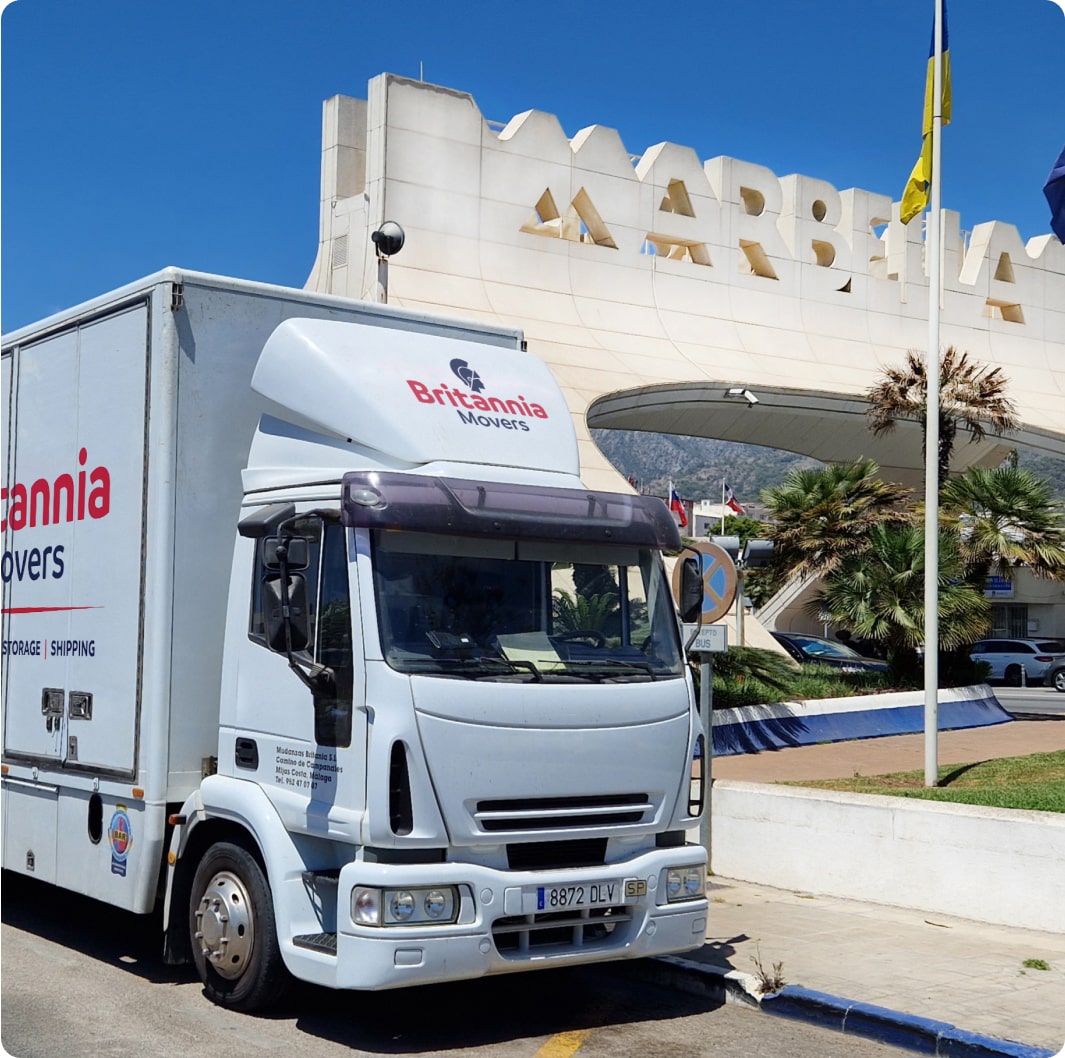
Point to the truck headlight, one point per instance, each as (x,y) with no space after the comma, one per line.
(366,906)
(685,883)
(401,906)
(438,905)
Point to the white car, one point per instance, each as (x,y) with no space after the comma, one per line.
(1024,660)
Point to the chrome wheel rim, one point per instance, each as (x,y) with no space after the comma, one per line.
(225,928)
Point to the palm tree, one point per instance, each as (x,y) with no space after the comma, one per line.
(822,516)
(972,397)
(576,613)
(1006,517)
(879,595)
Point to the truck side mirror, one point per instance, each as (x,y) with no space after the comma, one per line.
(297,553)
(280,627)
(690,603)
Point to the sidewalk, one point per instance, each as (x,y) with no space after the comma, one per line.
(879,756)
(926,981)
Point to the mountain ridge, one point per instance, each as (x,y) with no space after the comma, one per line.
(698,465)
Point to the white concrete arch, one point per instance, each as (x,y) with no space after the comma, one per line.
(652,283)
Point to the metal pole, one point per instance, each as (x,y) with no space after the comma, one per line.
(739,606)
(382,279)
(706,714)
(931,464)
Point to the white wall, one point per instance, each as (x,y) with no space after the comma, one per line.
(987,864)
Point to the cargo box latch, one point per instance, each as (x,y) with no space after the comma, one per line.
(53,703)
(80,705)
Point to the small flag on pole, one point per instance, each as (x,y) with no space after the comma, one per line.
(677,507)
(1054,189)
(918,187)
(731,502)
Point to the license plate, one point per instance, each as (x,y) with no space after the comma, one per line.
(544,899)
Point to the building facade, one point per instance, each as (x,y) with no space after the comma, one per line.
(709,298)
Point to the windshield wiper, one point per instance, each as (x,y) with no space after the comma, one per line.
(615,666)
(476,667)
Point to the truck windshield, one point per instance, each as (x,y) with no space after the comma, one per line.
(475,608)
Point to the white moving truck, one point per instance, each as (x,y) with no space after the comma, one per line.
(311,632)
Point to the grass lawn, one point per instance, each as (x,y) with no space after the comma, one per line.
(1035,782)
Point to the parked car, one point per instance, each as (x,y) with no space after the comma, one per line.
(803,647)
(1027,660)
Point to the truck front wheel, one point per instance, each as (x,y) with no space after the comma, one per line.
(233,932)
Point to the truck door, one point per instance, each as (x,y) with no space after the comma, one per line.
(311,743)
(73,513)
(37,597)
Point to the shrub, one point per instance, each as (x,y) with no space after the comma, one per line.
(752,676)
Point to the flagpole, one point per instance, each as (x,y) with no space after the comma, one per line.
(722,506)
(933,238)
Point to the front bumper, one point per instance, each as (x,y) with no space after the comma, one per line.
(495,934)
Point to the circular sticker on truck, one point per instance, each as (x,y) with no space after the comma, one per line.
(120,836)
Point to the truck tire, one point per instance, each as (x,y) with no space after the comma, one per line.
(233,932)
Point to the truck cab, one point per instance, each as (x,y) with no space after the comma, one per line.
(454,693)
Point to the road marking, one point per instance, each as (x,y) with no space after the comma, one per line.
(563,1044)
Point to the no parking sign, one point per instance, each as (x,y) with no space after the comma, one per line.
(718,573)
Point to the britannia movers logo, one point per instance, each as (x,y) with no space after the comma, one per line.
(499,413)
(66,498)
(69,497)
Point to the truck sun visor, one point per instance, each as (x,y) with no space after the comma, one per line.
(471,508)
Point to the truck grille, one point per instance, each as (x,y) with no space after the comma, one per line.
(555,813)
(551,855)
(519,936)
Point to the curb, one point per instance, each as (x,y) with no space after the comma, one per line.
(924,1035)
(783,725)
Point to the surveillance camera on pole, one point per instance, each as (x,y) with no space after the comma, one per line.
(744,392)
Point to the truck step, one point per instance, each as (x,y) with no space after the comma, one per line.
(326,943)
(327,879)
(323,883)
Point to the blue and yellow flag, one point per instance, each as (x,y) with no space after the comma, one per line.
(1054,189)
(915,197)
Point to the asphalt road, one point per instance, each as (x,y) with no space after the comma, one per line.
(1034,701)
(82,980)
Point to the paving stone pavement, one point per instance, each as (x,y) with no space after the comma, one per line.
(931,968)
(969,974)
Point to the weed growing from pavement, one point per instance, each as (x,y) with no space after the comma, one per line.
(1037,964)
(768,981)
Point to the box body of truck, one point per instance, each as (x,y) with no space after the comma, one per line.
(476,756)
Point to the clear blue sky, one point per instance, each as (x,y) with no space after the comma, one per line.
(136,134)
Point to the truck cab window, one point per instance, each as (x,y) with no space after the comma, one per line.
(477,608)
(329,621)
